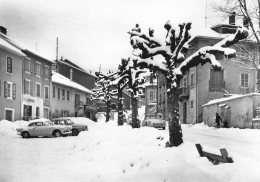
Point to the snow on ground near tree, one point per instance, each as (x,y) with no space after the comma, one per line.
(111,153)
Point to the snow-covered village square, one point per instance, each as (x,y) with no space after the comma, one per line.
(129,91)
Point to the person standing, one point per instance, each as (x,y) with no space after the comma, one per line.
(218,120)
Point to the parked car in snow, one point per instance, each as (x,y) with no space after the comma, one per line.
(76,128)
(154,120)
(43,127)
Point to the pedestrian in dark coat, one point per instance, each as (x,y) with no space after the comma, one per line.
(218,120)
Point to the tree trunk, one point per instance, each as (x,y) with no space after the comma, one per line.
(108,111)
(175,131)
(120,107)
(135,119)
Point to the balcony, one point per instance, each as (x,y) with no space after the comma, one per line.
(184,92)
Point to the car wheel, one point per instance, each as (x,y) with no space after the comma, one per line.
(56,133)
(75,132)
(25,134)
(163,128)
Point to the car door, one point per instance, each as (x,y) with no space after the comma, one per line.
(36,129)
(48,128)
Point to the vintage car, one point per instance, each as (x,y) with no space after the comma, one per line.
(154,120)
(43,127)
(76,128)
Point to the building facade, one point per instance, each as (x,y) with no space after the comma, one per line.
(11,62)
(78,75)
(69,99)
(238,110)
(202,83)
(36,86)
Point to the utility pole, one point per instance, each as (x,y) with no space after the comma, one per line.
(206,13)
(57,48)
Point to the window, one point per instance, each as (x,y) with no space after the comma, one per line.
(53,92)
(191,104)
(77,100)
(46,92)
(27,86)
(192,79)
(46,71)
(38,69)
(63,94)
(89,101)
(27,66)
(45,113)
(9,90)
(68,95)
(9,65)
(9,114)
(244,79)
(37,112)
(58,93)
(216,82)
(151,95)
(185,83)
(38,89)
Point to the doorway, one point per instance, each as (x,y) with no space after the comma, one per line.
(27,112)
(184,112)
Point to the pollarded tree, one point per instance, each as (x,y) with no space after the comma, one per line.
(104,91)
(132,76)
(120,81)
(174,65)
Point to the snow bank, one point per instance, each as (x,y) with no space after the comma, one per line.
(7,128)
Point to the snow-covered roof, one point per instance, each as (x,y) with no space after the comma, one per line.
(217,101)
(60,79)
(9,47)
(208,32)
(22,47)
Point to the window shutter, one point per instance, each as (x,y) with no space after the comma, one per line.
(35,67)
(5,89)
(42,70)
(31,88)
(14,91)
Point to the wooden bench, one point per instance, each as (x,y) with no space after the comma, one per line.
(215,159)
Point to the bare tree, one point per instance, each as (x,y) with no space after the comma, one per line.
(174,65)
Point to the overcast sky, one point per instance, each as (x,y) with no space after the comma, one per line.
(94,32)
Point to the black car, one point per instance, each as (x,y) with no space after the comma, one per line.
(76,128)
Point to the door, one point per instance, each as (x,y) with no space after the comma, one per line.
(27,112)
(184,112)
(9,115)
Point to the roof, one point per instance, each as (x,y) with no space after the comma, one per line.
(9,47)
(60,79)
(23,48)
(73,65)
(238,96)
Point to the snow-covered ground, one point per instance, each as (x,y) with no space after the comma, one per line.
(111,153)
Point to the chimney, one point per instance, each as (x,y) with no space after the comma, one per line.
(232,18)
(3,30)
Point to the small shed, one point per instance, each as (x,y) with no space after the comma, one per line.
(237,110)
